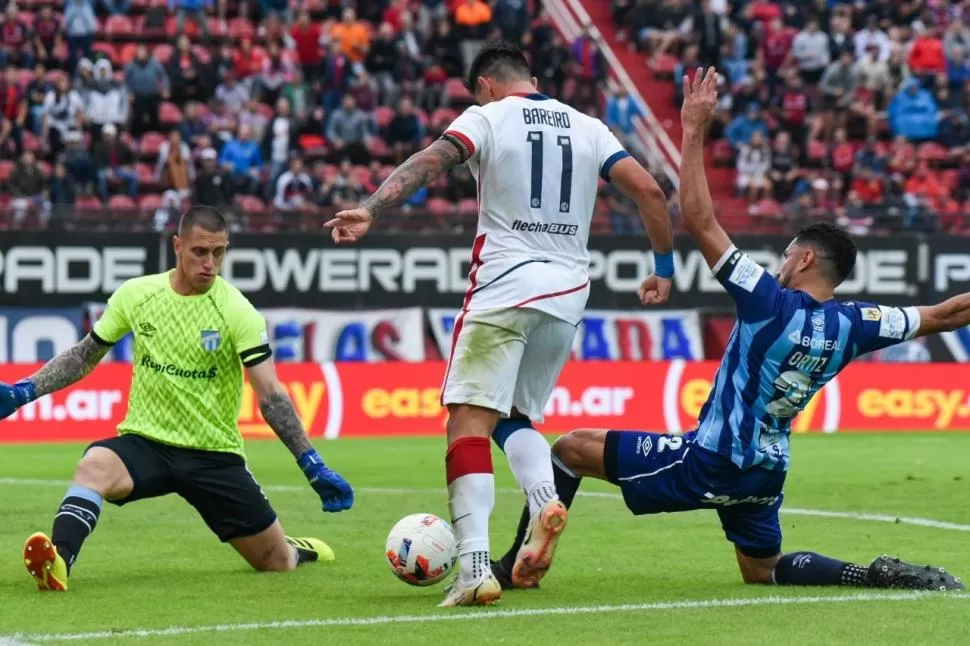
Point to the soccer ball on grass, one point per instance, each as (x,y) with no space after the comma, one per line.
(421,549)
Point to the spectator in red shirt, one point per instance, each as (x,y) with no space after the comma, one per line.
(48,37)
(394,13)
(902,156)
(13,112)
(842,156)
(775,50)
(926,58)
(247,61)
(792,109)
(306,35)
(763,11)
(867,187)
(924,184)
(17,40)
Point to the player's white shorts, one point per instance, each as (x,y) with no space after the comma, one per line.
(507,357)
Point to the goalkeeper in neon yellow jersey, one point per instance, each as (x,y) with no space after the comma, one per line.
(194,334)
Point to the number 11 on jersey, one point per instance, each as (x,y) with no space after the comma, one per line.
(566,181)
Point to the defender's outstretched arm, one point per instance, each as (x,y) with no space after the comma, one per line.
(951,314)
(696,205)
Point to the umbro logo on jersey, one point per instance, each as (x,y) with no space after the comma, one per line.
(546,227)
(211,340)
(147,330)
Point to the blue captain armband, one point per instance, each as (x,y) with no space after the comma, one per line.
(663,264)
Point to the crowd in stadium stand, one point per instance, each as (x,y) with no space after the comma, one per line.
(127,110)
(826,106)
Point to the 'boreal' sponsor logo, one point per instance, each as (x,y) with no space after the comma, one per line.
(173,370)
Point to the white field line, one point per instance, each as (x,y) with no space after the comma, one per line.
(13,641)
(464,616)
(397,491)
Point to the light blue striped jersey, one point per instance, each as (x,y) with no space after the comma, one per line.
(784,347)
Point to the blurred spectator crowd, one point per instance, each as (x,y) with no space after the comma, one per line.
(122,112)
(854,110)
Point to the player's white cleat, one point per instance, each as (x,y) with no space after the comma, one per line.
(484,592)
(535,556)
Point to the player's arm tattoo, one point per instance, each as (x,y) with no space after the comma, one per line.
(69,367)
(279,413)
(419,170)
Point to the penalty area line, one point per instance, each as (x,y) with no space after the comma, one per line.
(915,521)
(477,615)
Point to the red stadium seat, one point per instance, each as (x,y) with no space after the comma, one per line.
(53,75)
(361,174)
(121,203)
(664,66)
(722,152)
(169,113)
(383,115)
(145,173)
(163,53)
(768,208)
(443,116)
(931,152)
(439,206)
(455,90)
(127,53)
(150,202)
(241,28)
(24,77)
(378,147)
(312,144)
(6,168)
(31,142)
(951,178)
(469,205)
(88,202)
(204,54)
(817,152)
(251,204)
(119,27)
(108,50)
(151,143)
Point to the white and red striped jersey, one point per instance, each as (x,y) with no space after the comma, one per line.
(537,162)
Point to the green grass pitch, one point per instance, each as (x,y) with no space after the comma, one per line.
(617,580)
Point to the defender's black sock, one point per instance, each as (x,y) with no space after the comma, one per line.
(75,520)
(567,484)
(809,568)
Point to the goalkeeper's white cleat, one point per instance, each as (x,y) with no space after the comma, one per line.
(484,592)
(535,556)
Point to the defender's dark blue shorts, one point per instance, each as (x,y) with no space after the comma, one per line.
(666,473)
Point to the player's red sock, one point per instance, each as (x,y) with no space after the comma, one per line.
(471,496)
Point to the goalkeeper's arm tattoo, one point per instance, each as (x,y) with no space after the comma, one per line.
(279,413)
(419,170)
(69,367)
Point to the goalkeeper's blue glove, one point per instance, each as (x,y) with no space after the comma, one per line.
(13,397)
(335,492)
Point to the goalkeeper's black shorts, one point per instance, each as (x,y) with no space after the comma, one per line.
(219,485)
